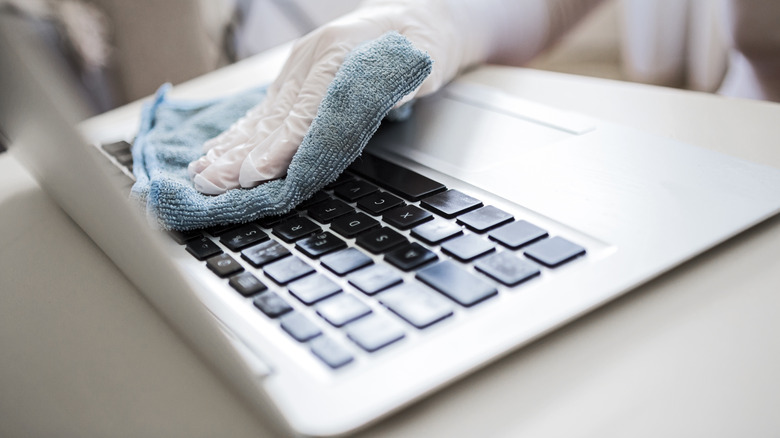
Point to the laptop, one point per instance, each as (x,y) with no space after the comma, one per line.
(510,219)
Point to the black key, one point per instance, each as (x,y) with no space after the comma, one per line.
(406,216)
(380,240)
(271,304)
(517,234)
(218,230)
(436,231)
(299,327)
(484,218)
(117,148)
(182,237)
(456,283)
(125,159)
(315,199)
(326,211)
(507,268)
(374,279)
(293,229)
(313,288)
(319,244)
(378,202)
(354,190)
(247,284)
(203,248)
(264,253)
(353,224)
(224,265)
(328,351)
(269,221)
(243,236)
(287,270)
(467,248)
(554,251)
(344,177)
(399,180)
(341,309)
(418,305)
(346,261)
(410,257)
(450,203)
(374,332)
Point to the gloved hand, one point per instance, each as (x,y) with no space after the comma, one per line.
(455,34)
(260,145)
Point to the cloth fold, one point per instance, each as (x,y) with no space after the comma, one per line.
(372,79)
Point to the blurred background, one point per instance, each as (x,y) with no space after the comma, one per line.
(122,50)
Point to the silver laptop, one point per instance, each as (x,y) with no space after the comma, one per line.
(508,220)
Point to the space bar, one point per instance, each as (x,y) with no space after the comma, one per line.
(399,180)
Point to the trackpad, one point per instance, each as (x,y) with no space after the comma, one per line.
(460,138)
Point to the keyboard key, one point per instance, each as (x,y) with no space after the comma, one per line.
(269,221)
(320,244)
(410,256)
(182,237)
(456,283)
(353,224)
(467,248)
(295,228)
(241,237)
(517,234)
(450,203)
(326,211)
(313,288)
(344,177)
(247,284)
(316,198)
(416,304)
(299,326)
(117,148)
(378,202)
(399,180)
(484,218)
(554,251)
(436,231)
(223,265)
(287,270)
(406,216)
(374,279)
(328,351)
(271,304)
(125,159)
(218,230)
(203,248)
(507,268)
(264,253)
(374,332)
(341,309)
(380,240)
(354,190)
(346,261)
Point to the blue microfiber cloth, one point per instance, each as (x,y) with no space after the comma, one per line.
(373,78)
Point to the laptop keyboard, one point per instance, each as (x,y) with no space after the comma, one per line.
(380,233)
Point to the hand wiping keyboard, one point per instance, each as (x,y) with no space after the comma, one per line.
(372,79)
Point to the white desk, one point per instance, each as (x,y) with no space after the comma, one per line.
(693,353)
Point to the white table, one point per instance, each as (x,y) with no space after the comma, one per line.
(693,353)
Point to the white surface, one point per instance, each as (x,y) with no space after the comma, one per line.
(692,353)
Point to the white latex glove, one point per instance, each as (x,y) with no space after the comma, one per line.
(260,146)
(454,33)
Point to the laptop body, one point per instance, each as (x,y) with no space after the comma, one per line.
(640,205)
